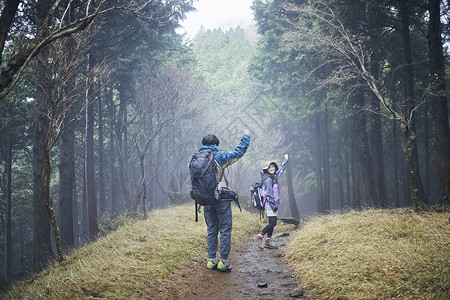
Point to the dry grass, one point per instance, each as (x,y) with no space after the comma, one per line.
(375,254)
(123,264)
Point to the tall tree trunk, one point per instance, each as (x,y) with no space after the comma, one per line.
(122,145)
(292,202)
(376,128)
(144,192)
(318,163)
(112,156)
(342,176)
(8,231)
(412,165)
(101,180)
(48,200)
(90,173)
(377,155)
(76,228)
(66,165)
(340,185)
(348,197)
(355,187)
(438,90)
(409,137)
(395,144)
(9,9)
(42,249)
(84,236)
(426,152)
(377,152)
(66,185)
(22,247)
(113,175)
(326,164)
(365,159)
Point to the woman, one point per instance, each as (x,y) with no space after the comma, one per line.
(271,192)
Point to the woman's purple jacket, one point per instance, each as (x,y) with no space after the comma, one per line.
(271,188)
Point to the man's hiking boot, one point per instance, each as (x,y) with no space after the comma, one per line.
(224,267)
(258,240)
(212,265)
(268,244)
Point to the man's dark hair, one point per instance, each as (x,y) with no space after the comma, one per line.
(210,139)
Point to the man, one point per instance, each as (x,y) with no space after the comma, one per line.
(218,216)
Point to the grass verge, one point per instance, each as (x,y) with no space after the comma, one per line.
(374,254)
(123,264)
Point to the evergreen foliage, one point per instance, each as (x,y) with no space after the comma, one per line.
(359,123)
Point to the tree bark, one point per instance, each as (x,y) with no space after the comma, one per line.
(101,180)
(66,185)
(90,172)
(377,154)
(13,68)
(84,235)
(407,126)
(67,168)
(340,185)
(8,226)
(318,162)
(123,149)
(396,165)
(76,210)
(377,137)
(348,197)
(438,90)
(8,12)
(427,152)
(292,202)
(412,165)
(112,156)
(365,158)
(122,145)
(42,250)
(67,165)
(355,173)
(144,188)
(326,164)
(48,201)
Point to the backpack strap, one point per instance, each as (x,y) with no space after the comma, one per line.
(221,175)
(237,202)
(196,212)
(219,182)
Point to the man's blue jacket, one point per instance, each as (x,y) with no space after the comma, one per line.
(225,158)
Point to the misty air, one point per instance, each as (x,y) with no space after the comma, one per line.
(213,149)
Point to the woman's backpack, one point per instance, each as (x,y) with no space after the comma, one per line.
(257,197)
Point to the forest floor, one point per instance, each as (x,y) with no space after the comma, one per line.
(256,274)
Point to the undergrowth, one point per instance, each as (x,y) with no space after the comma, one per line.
(374,254)
(371,254)
(123,263)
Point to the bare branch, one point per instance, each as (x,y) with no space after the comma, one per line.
(342,47)
(17,64)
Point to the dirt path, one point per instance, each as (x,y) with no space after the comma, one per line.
(256,274)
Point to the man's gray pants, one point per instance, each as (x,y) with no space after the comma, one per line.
(218,218)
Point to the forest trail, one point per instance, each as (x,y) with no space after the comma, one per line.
(256,274)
